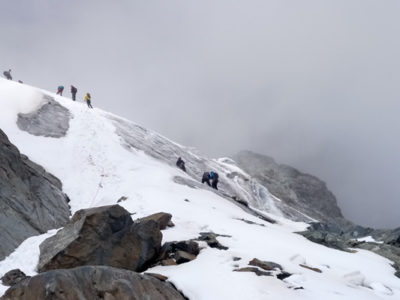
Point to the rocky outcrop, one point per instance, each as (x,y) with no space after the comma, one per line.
(345,238)
(92,282)
(102,236)
(50,120)
(173,253)
(302,192)
(31,200)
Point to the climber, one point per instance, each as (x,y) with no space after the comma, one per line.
(60,90)
(74,90)
(88,99)
(7,74)
(206,178)
(214,177)
(181,164)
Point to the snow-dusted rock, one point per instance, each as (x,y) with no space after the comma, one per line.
(49,120)
(102,236)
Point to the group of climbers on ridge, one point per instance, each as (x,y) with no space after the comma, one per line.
(74,90)
(207,176)
(60,89)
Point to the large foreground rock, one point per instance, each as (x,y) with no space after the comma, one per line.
(31,200)
(94,282)
(102,236)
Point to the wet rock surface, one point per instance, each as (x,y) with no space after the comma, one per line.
(92,282)
(32,201)
(50,120)
(102,236)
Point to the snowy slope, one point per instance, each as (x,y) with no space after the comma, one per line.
(104,157)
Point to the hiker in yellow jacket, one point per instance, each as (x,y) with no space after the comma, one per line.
(88,99)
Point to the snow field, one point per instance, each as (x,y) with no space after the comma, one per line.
(96,169)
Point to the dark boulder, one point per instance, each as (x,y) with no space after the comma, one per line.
(187,246)
(92,282)
(163,219)
(173,253)
(13,277)
(31,200)
(102,236)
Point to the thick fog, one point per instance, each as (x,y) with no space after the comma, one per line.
(314,84)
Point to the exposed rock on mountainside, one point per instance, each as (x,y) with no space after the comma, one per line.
(31,200)
(50,120)
(102,236)
(92,282)
(305,193)
(13,277)
(344,237)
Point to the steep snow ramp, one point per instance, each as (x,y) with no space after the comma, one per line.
(103,157)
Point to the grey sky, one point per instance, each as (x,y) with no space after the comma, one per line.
(312,83)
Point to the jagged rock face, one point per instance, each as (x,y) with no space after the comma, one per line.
(102,236)
(303,192)
(92,282)
(31,200)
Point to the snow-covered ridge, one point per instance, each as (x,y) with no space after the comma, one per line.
(103,157)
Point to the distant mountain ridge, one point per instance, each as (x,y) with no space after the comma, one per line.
(304,192)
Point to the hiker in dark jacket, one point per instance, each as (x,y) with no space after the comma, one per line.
(214,177)
(206,178)
(60,90)
(7,74)
(74,90)
(181,164)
